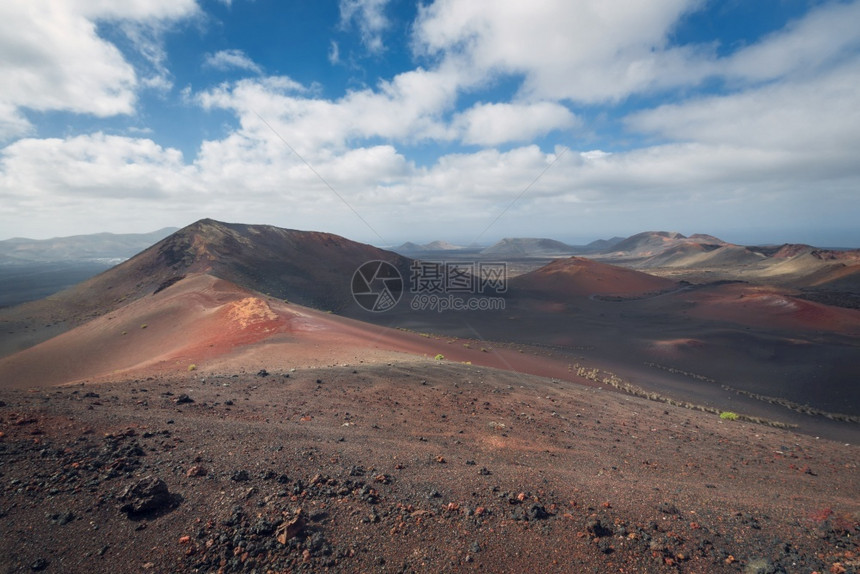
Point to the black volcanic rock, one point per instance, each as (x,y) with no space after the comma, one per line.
(149,495)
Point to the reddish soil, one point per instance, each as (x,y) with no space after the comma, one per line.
(185,423)
(771,308)
(204,323)
(577,276)
(412,466)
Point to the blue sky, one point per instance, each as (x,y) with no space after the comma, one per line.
(464,120)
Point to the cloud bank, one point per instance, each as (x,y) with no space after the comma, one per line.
(763,138)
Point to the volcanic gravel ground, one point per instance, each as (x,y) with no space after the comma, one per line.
(408,467)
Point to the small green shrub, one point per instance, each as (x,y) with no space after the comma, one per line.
(440,357)
(144,326)
(728,416)
(192,367)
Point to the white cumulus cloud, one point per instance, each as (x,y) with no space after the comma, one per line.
(499,123)
(52,57)
(369,16)
(586,51)
(231,60)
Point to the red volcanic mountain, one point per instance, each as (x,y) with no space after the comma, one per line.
(210,290)
(577,276)
(214,294)
(309,268)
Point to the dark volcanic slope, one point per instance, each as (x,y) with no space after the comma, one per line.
(311,268)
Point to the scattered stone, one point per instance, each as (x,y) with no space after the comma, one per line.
(605,545)
(368,494)
(39,564)
(291,529)
(240,476)
(263,527)
(197,471)
(262,373)
(597,528)
(759,566)
(538,512)
(183,399)
(62,518)
(146,496)
(372,518)
(668,508)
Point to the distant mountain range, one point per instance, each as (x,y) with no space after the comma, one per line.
(211,288)
(79,247)
(34,268)
(30,269)
(797,265)
(410,247)
(700,257)
(513,247)
(530,247)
